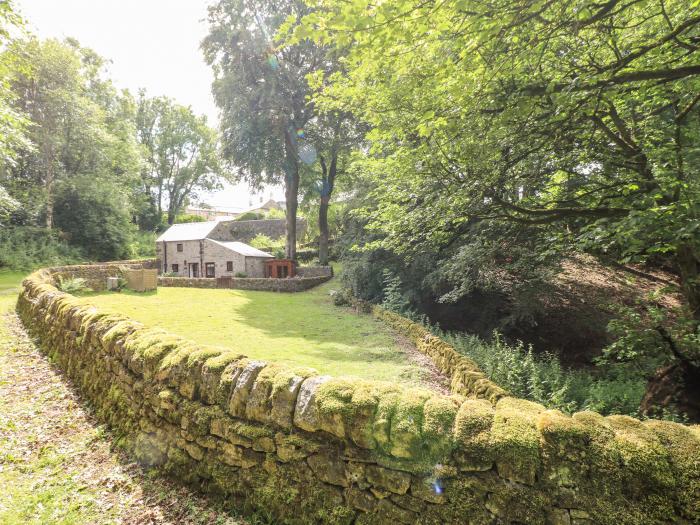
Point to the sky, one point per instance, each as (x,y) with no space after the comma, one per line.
(152,44)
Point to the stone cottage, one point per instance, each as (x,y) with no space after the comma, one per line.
(196,250)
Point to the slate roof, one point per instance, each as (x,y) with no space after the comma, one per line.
(242,248)
(191,231)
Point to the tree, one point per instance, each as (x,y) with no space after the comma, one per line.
(94,214)
(262,92)
(578,119)
(78,123)
(12,122)
(332,136)
(181,155)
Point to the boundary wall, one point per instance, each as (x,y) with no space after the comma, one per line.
(294,284)
(305,448)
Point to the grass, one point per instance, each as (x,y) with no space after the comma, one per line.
(58,466)
(9,282)
(299,330)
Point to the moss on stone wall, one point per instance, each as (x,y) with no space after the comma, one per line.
(313,449)
(466,378)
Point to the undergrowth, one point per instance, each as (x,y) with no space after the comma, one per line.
(543,379)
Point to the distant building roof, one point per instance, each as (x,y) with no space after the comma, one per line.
(242,248)
(190,231)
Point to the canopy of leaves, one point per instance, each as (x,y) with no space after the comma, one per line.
(580,119)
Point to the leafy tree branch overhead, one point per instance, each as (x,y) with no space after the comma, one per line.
(579,119)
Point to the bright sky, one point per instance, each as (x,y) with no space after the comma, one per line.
(152,44)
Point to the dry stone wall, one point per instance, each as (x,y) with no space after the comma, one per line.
(96,275)
(295,284)
(308,449)
(315,271)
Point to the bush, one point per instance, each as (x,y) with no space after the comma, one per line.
(187,218)
(341,297)
(72,285)
(29,247)
(543,379)
(142,245)
(250,216)
(264,242)
(95,215)
(241,275)
(307,255)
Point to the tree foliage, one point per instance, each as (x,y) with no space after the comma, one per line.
(181,156)
(505,134)
(12,122)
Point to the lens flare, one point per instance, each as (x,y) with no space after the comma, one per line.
(307,154)
(273,62)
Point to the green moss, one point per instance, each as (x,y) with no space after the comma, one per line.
(515,439)
(683,444)
(252,431)
(217,363)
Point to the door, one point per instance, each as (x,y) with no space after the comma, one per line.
(194,269)
(210,270)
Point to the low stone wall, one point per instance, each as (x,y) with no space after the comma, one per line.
(308,449)
(466,377)
(315,271)
(96,275)
(296,284)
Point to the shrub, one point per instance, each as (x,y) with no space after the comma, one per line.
(187,218)
(307,255)
(72,285)
(28,247)
(543,379)
(250,216)
(241,275)
(341,297)
(95,216)
(142,245)
(262,242)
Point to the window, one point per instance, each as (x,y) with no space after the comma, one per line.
(229,266)
(209,268)
(176,268)
(179,247)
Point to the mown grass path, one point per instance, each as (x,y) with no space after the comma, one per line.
(56,462)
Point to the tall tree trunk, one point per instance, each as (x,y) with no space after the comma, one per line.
(291,193)
(323,231)
(49,183)
(688,262)
(678,384)
(328,173)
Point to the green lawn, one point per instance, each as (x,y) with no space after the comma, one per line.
(301,329)
(10,281)
(9,286)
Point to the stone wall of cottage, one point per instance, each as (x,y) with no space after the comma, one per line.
(217,254)
(170,257)
(305,448)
